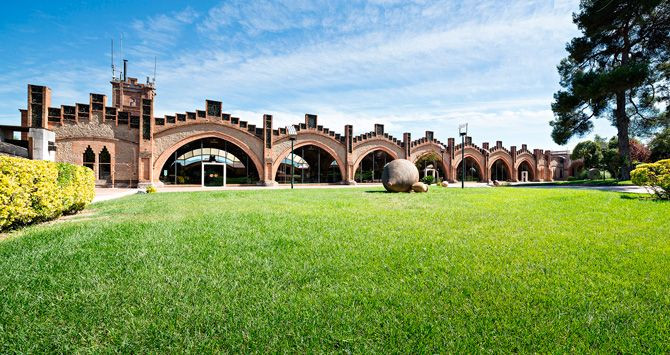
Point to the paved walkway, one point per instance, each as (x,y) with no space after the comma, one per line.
(104,194)
(619,188)
(172,188)
(108,193)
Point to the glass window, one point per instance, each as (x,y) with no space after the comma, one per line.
(185,166)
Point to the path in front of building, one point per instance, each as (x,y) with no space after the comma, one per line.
(108,193)
(282,186)
(621,188)
(104,194)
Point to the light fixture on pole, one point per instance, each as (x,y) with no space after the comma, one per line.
(442,151)
(292,136)
(463,131)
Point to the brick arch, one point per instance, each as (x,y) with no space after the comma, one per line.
(427,148)
(301,143)
(363,151)
(166,153)
(528,158)
(476,155)
(443,165)
(506,159)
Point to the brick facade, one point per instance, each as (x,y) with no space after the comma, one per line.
(139,143)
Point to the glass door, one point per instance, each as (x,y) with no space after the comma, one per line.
(213,175)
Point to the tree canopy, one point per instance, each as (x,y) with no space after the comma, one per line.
(590,152)
(618,69)
(601,153)
(660,146)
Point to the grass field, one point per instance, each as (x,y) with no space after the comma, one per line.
(587,182)
(343,270)
(597,182)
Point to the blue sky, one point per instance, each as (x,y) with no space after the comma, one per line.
(411,65)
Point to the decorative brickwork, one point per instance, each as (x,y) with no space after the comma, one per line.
(139,144)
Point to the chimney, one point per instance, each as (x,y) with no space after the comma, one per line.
(125,69)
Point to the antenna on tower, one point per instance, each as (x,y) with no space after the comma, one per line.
(113,69)
(154,79)
(124,69)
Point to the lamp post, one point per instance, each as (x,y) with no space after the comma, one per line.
(463,131)
(292,135)
(442,151)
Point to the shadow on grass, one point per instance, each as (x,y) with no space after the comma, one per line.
(642,197)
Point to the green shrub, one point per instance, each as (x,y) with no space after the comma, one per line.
(428,179)
(151,189)
(583,174)
(34,191)
(655,177)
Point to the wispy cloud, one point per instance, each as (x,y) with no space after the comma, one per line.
(158,33)
(412,65)
(398,68)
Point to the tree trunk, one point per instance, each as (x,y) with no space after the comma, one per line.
(622,123)
(622,120)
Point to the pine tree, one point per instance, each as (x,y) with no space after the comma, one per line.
(613,70)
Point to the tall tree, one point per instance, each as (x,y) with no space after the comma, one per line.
(590,152)
(613,69)
(660,145)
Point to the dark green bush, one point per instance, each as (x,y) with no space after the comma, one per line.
(583,174)
(34,191)
(428,179)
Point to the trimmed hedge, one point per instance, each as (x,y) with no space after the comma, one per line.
(36,190)
(655,177)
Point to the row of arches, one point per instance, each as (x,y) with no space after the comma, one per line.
(216,160)
(499,171)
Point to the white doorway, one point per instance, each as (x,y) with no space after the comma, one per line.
(213,174)
(524,176)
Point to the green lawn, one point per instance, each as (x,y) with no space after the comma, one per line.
(482,269)
(587,182)
(597,182)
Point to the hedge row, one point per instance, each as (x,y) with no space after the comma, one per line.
(34,190)
(655,177)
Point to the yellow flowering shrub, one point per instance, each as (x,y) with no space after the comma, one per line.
(33,190)
(654,176)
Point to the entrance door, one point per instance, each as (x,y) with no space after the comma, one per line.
(213,175)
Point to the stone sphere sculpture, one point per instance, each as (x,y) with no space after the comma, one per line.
(419,187)
(399,175)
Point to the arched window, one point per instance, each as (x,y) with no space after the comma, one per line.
(371,166)
(104,164)
(472,172)
(89,158)
(311,164)
(499,171)
(211,156)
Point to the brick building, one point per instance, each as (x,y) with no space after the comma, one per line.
(126,144)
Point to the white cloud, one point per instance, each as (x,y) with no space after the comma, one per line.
(411,65)
(493,71)
(158,33)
